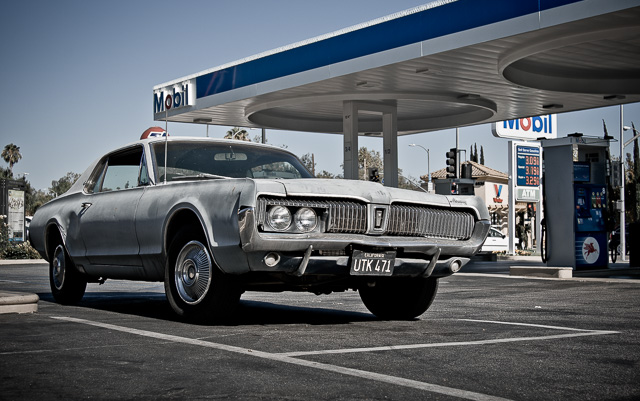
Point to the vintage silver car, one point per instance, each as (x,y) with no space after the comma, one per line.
(214,218)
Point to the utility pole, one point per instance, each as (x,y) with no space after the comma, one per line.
(622,185)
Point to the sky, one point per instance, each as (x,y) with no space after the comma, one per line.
(77,77)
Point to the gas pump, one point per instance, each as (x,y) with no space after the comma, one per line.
(575,182)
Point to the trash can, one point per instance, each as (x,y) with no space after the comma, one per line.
(632,239)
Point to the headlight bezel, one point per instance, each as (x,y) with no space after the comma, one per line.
(302,219)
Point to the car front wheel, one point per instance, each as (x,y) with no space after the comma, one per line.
(399,298)
(67,284)
(195,287)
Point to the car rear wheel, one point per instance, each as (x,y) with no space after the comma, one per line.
(67,284)
(194,285)
(399,298)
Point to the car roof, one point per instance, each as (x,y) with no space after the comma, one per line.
(206,139)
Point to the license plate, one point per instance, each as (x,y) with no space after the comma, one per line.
(372,263)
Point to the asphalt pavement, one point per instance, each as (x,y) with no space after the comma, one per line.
(487,336)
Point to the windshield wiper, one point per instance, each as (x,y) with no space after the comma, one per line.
(201,176)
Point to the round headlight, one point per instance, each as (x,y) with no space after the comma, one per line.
(279,218)
(305,219)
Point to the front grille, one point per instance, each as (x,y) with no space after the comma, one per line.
(347,217)
(421,221)
(351,217)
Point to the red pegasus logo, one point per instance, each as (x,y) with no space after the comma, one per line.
(589,249)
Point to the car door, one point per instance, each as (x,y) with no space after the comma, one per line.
(495,242)
(107,215)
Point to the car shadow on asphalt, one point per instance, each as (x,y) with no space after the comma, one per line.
(154,305)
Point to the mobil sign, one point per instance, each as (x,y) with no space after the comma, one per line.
(528,129)
(173,96)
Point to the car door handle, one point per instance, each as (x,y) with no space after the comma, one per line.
(86,205)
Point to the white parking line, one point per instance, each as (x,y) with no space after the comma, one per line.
(576,333)
(398,381)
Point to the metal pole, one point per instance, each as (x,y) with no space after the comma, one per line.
(166,140)
(458,153)
(428,160)
(622,210)
(264,135)
(428,167)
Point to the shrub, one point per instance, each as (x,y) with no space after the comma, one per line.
(20,251)
(10,250)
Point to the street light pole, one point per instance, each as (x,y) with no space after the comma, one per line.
(428,161)
(622,185)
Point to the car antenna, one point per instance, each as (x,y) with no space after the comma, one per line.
(166,140)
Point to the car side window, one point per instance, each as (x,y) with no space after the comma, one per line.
(143,179)
(120,170)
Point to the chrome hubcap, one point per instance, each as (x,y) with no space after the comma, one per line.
(193,272)
(58,267)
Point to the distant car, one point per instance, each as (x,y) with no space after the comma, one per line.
(214,218)
(615,247)
(497,242)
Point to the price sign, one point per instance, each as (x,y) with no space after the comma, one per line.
(528,166)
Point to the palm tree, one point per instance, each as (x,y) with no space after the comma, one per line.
(11,154)
(237,133)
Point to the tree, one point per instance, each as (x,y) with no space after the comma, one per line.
(634,182)
(308,160)
(475,152)
(36,199)
(237,133)
(481,155)
(326,174)
(368,159)
(11,154)
(6,173)
(62,185)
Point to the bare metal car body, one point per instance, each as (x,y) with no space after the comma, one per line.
(205,226)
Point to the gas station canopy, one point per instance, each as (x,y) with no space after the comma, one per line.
(446,64)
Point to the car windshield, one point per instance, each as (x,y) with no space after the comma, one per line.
(203,160)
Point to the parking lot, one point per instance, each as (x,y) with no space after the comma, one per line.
(487,336)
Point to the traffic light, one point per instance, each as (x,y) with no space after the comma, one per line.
(454,188)
(452,163)
(372,172)
(616,176)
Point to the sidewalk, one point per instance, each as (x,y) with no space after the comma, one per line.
(532,266)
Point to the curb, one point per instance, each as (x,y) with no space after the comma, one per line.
(574,278)
(18,302)
(541,271)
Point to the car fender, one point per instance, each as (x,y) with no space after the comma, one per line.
(214,204)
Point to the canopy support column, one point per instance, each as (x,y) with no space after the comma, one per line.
(350,132)
(350,115)
(390,144)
